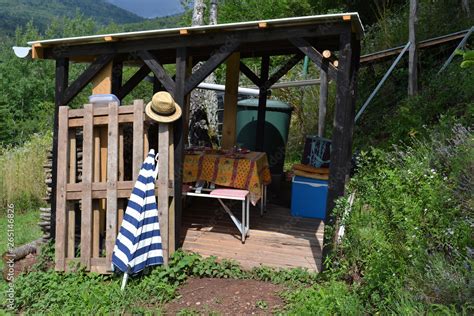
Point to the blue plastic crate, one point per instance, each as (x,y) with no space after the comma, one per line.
(308,197)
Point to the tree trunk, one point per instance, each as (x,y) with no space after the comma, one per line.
(213,13)
(198,13)
(203,103)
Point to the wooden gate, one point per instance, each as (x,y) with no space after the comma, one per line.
(95,180)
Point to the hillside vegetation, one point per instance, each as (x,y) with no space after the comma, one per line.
(19,12)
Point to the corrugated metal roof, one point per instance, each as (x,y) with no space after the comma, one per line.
(318,19)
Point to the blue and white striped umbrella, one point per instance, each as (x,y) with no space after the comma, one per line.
(138,243)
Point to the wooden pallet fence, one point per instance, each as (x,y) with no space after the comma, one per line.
(90,208)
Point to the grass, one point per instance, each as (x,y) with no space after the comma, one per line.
(22,175)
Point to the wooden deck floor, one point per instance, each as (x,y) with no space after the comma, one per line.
(277,239)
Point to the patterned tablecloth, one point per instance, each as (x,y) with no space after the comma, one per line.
(248,171)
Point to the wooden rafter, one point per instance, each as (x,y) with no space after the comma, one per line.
(249,74)
(283,70)
(210,65)
(133,81)
(86,77)
(315,56)
(157,69)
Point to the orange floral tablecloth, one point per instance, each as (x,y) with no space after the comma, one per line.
(250,171)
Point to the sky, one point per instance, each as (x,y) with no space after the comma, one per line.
(150,8)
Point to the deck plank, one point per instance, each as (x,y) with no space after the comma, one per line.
(277,239)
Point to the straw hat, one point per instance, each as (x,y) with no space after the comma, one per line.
(162,108)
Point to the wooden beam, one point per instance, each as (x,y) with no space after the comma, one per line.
(112,178)
(158,70)
(163,197)
(283,70)
(197,40)
(133,82)
(179,137)
(210,65)
(412,51)
(61,203)
(117,72)
(102,82)
(37,51)
(262,103)
(62,75)
(323,101)
(230,101)
(86,77)
(87,167)
(341,148)
(250,74)
(315,56)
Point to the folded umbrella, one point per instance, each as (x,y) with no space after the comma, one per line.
(138,244)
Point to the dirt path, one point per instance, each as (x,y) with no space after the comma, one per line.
(227,297)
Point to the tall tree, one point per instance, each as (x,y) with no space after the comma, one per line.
(213,13)
(203,103)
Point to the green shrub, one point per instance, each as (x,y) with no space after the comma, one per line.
(410,230)
(332,298)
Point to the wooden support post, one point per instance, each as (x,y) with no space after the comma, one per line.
(172,242)
(117,71)
(323,101)
(121,177)
(138,117)
(163,196)
(341,149)
(262,102)
(71,213)
(62,166)
(179,137)
(412,52)
(87,167)
(62,75)
(112,177)
(230,101)
(102,84)
(96,203)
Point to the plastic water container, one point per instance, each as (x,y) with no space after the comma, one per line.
(101,100)
(308,197)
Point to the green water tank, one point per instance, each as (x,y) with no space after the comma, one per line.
(277,124)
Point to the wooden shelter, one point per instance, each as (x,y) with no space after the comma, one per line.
(337,35)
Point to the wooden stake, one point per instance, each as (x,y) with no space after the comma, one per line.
(163,177)
(412,52)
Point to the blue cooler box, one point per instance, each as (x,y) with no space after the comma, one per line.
(308,197)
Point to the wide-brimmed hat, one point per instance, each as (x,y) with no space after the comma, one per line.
(162,108)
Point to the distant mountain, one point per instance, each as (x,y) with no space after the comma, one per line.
(150,8)
(15,13)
